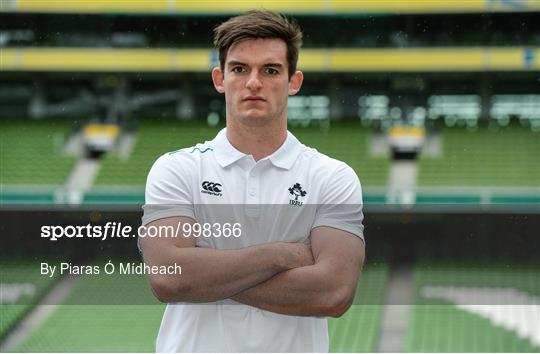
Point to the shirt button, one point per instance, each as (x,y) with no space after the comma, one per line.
(253,174)
(252,192)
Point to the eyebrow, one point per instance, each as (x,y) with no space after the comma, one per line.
(234,63)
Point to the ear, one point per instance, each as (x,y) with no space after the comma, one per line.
(217,79)
(295,83)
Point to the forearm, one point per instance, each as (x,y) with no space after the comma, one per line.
(326,288)
(210,275)
(305,291)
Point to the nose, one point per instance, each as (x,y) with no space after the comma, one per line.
(254,83)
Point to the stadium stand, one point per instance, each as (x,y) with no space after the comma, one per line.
(506,156)
(154,138)
(74,327)
(32,152)
(356,331)
(345,141)
(21,287)
(348,142)
(91,328)
(101,314)
(443,328)
(469,65)
(478,308)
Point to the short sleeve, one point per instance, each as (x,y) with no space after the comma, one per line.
(168,189)
(341,203)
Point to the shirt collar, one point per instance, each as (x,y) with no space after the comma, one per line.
(225,153)
(284,157)
(288,152)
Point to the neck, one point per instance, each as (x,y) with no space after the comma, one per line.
(259,142)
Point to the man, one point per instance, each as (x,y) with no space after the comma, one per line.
(299,212)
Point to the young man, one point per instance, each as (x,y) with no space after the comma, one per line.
(298,250)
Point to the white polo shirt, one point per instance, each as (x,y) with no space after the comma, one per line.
(280,198)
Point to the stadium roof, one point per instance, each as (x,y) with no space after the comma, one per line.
(307,7)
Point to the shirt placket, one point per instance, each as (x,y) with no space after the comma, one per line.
(253,191)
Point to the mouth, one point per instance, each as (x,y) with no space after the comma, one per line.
(253,99)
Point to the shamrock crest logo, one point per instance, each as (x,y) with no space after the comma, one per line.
(297,191)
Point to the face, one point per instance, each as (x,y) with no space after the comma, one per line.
(255,82)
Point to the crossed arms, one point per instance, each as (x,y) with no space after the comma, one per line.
(286,278)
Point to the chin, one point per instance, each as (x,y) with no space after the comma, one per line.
(254,119)
(254,122)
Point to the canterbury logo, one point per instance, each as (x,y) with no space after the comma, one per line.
(212,188)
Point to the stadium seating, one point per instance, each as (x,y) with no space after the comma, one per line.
(32,152)
(347,142)
(357,330)
(453,314)
(471,65)
(97,328)
(506,156)
(154,138)
(75,327)
(103,313)
(21,287)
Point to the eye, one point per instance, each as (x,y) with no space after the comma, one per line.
(271,71)
(238,69)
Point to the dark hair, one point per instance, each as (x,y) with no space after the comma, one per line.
(259,24)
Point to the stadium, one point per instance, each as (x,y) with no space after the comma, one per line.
(435,104)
